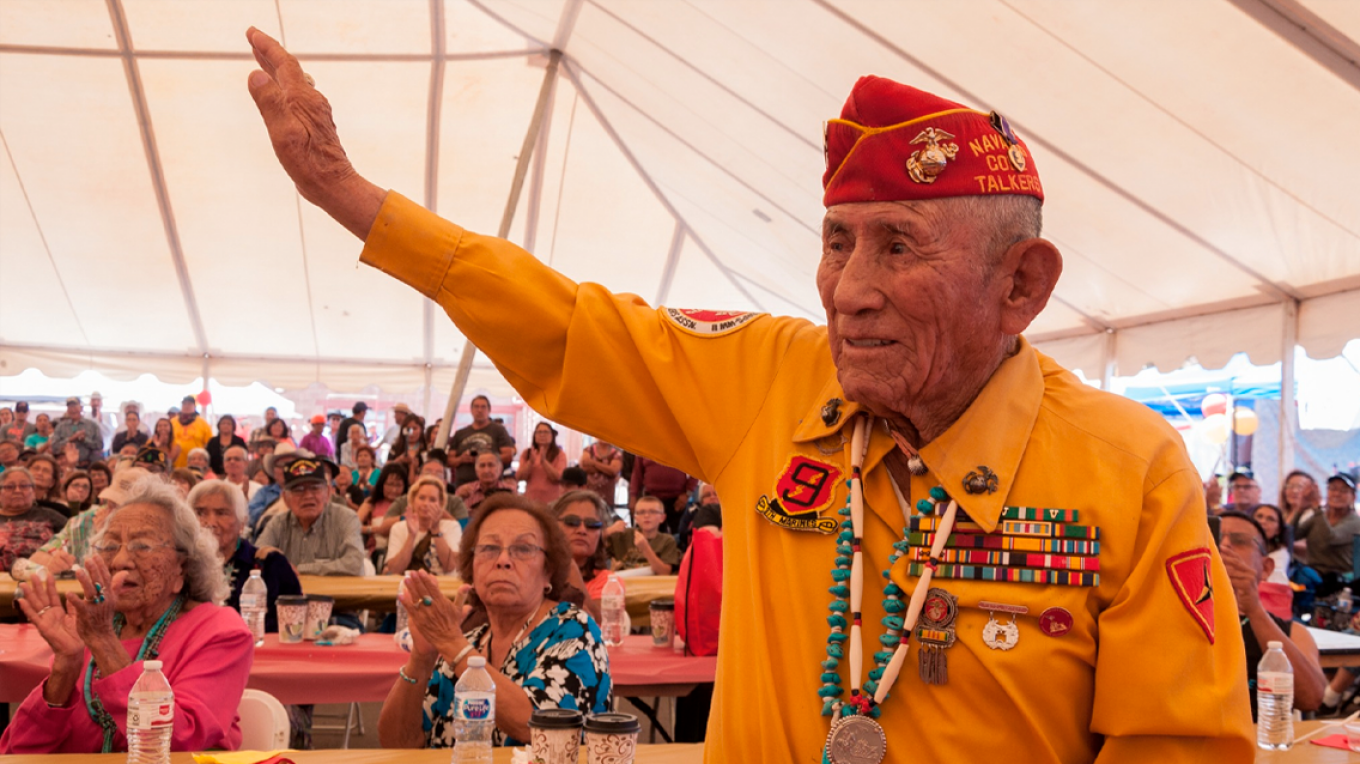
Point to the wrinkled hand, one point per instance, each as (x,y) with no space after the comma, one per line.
(304,137)
(439,622)
(56,624)
(94,619)
(61,560)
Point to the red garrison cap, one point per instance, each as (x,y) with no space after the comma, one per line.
(896,143)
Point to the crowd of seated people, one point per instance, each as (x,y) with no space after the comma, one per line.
(78,496)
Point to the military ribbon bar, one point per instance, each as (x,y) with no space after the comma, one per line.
(1039,513)
(1016,543)
(1016,528)
(1011,559)
(1012,575)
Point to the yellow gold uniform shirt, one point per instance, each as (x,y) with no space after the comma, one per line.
(1136,679)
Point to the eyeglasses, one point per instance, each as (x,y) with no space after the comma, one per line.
(575,521)
(134,548)
(1242,541)
(517,551)
(16,488)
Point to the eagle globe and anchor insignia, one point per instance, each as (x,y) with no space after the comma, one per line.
(924,165)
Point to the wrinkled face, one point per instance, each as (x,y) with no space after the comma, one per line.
(198,461)
(514,576)
(648,514)
(308,500)
(1245,491)
(394,488)
(217,515)
(581,540)
(543,435)
(42,475)
(78,490)
(1239,537)
(481,411)
(908,301)
(16,492)
(1270,523)
(234,460)
(708,494)
(1339,495)
(488,468)
(147,570)
(428,503)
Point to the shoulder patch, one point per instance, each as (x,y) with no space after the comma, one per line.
(708,323)
(1190,577)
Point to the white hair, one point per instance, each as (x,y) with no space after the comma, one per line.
(203,579)
(1003,219)
(197,451)
(236,498)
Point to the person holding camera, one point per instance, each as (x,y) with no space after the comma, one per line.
(487,483)
(484,435)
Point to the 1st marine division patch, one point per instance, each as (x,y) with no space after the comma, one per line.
(708,323)
(803,490)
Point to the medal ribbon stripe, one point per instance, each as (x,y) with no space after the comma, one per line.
(1037,513)
(1016,528)
(1017,543)
(1009,575)
(1010,559)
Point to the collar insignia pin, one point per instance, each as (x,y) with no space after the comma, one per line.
(981,481)
(831,412)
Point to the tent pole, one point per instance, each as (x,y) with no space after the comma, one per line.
(1289,417)
(526,153)
(1111,365)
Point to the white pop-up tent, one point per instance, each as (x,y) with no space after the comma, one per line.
(1198,157)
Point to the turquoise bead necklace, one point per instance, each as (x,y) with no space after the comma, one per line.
(149,650)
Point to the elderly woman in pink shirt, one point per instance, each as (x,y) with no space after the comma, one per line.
(541,465)
(150,587)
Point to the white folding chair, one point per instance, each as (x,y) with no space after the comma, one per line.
(354,715)
(264,722)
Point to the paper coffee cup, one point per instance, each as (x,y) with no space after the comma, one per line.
(292,614)
(555,736)
(611,738)
(319,608)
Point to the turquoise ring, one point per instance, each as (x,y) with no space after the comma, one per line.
(426,601)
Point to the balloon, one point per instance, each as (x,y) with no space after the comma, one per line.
(1215,428)
(1245,421)
(1214,403)
(203,398)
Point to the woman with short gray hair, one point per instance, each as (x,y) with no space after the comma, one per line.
(148,593)
(221,508)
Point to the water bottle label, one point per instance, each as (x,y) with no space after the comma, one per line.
(154,710)
(249,601)
(1275,682)
(611,601)
(474,709)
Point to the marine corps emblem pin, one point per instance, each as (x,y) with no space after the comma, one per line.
(924,165)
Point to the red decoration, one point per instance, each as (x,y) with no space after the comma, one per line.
(1214,403)
(203,398)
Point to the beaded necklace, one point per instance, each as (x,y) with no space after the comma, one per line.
(148,651)
(229,570)
(855,738)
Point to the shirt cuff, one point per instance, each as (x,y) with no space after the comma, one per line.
(411,244)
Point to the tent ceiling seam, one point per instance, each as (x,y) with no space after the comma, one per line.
(672,260)
(278,14)
(562,179)
(70,303)
(708,78)
(220,358)
(1294,23)
(1280,292)
(1178,119)
(154,169)
(499,19)
(1090,320)
(1068,249)
(189,55)
(819,312)
(570,68)
(719,166)
(433,125)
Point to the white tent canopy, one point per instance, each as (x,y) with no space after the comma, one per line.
(1198,158)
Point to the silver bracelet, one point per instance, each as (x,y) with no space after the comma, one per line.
(459,658)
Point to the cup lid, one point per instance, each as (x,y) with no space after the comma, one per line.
(291,599)
(555,719)
(621,724)
(663,604)
(320,598)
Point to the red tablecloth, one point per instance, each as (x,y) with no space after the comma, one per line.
(364,671)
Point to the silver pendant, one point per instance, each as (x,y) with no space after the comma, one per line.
(1000,636)
(856,740)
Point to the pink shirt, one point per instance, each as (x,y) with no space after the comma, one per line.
(537,485)
(207,653)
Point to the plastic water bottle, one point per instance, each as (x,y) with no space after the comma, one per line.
(614,611)
(1274,700)
(474,714)
(150,717)
(1345,601)
(254,603)
(402,634)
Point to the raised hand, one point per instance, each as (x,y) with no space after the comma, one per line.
(440,622)
(305,140)
(56,624)
(94,611)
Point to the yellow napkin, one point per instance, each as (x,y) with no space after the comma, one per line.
(235,757)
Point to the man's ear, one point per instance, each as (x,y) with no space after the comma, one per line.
(1030,270)
(1267,566)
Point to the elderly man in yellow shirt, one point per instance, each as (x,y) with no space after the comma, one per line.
(950,548)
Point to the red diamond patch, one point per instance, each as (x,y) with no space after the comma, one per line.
(1189,573)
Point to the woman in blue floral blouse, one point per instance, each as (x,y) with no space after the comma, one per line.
(542,652)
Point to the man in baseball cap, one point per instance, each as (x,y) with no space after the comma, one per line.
(316,440)
(317,536)
(1035,536)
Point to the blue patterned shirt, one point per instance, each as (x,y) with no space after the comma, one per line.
(562,663)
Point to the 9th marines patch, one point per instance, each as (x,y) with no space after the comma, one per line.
(804,489)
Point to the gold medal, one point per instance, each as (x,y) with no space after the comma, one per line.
(856,740)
